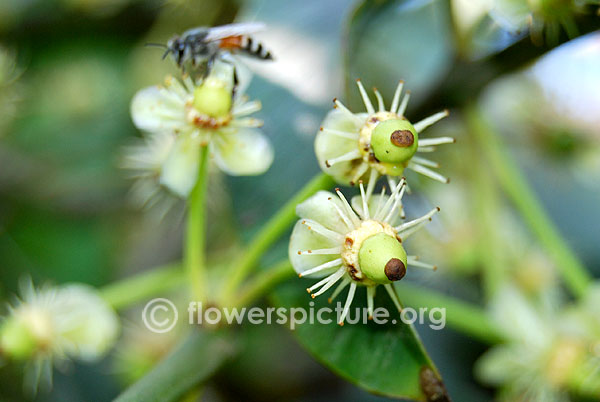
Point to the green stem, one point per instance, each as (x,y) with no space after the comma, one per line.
(514,184)
(138,288)
(195,253)
(265,281)
(461,316)
(486,210)
(270,232)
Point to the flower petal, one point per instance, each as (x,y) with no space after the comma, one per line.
(329,146)
(303,239)
(242,151)
(180,170)
(320,208)
(87,326)
(155,108)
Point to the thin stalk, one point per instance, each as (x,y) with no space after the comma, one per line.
(128,291)
(271,232)
(514,184)
(265,281)
(195,247)
(486,208)
(460,316)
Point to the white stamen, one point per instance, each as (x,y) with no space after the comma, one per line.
(342,215)
(338,290)
(365,206)
(246,122)
(333,278)
(343,134)
(378,209)
(427,172)
(365,98)
(344,109)
(372,181)
(322,230)
(175,86)
(425,149)
(435,141)
(404,104)
(428,121)
(349,299)
(326,251)
(354,154)
(396,202)
(409,232)
(353,217)
(408,225)
(321,267)
(394,108)
(393,296)
(393,197)
(320,283)
(380,103)
(370,297)
(425,162)
(360,170)
(413,261)
(246,108)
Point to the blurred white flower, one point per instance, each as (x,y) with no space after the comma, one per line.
(354,146)
(539,17)
(203,114)
(359,244)
(53,324)
(145,163)
(543,358)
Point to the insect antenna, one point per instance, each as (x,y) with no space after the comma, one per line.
(152,44)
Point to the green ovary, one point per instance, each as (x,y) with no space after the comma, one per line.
(382,258)
(394,142)
(213,98)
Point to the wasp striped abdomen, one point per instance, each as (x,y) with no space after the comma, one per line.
(247,45)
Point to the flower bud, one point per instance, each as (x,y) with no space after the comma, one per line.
(394,141)
(382,258)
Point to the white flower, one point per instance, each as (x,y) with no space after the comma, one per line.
(353,146)
(358,244)
(50,325)
(145,162)
(543,358)
(203,114)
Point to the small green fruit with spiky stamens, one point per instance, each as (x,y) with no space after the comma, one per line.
(382,258)
(394,141)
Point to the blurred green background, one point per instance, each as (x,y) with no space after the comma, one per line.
(69,68)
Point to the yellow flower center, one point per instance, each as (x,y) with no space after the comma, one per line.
(211,105)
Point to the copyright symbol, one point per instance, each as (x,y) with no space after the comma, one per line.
(160,315)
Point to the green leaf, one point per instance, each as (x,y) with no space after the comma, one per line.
(384,359)
(393,40)
(192,363)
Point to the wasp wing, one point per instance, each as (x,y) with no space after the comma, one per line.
(238,29)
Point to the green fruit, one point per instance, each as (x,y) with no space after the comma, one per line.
(394,141)
(382,258)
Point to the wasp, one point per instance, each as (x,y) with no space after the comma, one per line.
(207,44)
